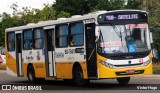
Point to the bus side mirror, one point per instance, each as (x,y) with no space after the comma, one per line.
(151,38)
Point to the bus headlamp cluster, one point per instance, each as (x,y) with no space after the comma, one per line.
(107,64)
(146,63)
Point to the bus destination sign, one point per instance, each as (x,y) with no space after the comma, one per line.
(136,16)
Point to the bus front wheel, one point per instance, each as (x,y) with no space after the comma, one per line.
(123,80)
(78,76)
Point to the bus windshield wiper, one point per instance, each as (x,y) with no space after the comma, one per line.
(118,34)
(101,36)
(114,29)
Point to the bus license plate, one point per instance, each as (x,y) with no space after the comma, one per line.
(129,71)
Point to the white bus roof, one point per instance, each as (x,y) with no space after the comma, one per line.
(63,20)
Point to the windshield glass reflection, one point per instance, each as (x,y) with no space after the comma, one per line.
(124,38)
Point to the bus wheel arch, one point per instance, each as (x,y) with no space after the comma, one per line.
(75,65)
(77,74)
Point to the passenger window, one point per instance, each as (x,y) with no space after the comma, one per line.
(38,38)
(62,36)
(77,34)
(27,39)
(11,41)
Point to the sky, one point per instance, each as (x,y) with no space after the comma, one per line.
(5,4)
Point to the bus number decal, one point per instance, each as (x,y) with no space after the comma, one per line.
(70,51)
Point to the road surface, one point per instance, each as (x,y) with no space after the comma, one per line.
(142,84)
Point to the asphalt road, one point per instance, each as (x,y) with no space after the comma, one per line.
(142,84)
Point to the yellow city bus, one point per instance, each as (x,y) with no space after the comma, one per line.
(99,45)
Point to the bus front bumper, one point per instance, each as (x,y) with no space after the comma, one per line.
(106,72)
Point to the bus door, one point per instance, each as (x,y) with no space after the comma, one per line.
(49,55)
(19,53)
(91,51)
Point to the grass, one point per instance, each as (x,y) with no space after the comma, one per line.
(156,68)
(3,66)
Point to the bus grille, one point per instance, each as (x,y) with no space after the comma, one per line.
(123,57)
(138,64)
(135,72)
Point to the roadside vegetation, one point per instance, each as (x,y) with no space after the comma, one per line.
(156,68)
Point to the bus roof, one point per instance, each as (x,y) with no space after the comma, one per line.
(63,20)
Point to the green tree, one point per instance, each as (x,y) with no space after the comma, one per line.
(133,4)
(74,7)
(110,4)
(154,15)
(79,7)
(6,22)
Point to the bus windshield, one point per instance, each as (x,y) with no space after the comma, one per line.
(126,38)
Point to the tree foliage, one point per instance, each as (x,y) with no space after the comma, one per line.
(73,6)
(7,21)
(133,4)
(154,15)
(110,4)
(79,7)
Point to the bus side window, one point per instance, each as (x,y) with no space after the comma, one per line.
(27,39)
(38,38)
(62,35)
(11,41)
(76,34)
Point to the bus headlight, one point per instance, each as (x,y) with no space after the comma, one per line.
(107,64)
(146,63)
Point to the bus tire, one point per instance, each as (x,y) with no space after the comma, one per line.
(31,75)
(78,76)
(123,80)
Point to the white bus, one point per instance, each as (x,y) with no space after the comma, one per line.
(98,45)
